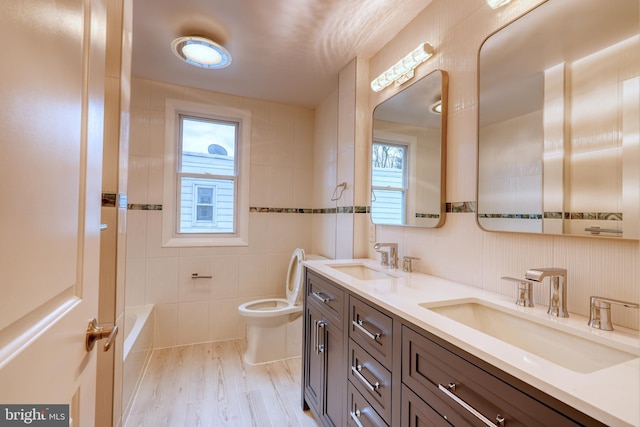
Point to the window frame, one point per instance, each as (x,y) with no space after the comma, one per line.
(174,110)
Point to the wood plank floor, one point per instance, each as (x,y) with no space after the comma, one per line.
(210,385)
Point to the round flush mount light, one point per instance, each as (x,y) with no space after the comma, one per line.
(201,52)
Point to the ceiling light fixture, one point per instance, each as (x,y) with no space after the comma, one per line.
(403,70)
(494,4)
(436,107)
(201,52)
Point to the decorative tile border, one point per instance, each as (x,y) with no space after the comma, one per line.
(426,215)
(143,207)
(591,216)
(603,216)
(511,216)
(460,207)
(451,207)
(111,200)
(279,210)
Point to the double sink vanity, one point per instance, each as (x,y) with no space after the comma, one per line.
(384,347)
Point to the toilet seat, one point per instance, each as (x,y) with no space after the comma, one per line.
(271,307)
(294,277)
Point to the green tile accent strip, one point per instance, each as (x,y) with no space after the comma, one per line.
(426,215)
(589,216)
(109,200)
(143,207)
(511,216)
(603,216)
(460,207)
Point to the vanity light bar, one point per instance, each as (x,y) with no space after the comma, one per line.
(403,70)
(494,4)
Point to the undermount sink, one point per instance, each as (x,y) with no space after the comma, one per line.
(570,351)
(362,271)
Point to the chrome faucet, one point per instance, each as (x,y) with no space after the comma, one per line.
(392,259)
(600,308)
(557,291)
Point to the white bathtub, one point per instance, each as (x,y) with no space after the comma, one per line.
(138,345)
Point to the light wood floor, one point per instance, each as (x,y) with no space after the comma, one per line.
(210,385)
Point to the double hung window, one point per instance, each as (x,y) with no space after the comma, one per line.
(206,175)
(389,183)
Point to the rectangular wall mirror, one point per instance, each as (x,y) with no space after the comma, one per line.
(408,155)
(558,137)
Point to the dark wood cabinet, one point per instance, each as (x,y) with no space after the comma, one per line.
(465,394)
(367,367)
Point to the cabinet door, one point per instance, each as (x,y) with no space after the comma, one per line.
(324,370)
(314,355)
(335,366)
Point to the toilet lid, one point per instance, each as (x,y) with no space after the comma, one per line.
(294,277)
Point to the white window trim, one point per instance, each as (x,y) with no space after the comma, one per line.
(170,237)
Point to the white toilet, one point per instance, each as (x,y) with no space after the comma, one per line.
(274,326)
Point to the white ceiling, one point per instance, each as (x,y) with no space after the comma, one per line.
(288,51)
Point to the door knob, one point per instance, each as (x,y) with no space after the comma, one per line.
(95,333)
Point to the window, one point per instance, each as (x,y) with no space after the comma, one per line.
(206,175)
(389,183)
(204,212)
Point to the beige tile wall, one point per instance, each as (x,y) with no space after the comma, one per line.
(187,310)
(460,251)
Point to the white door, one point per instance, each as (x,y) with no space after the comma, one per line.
(51,115)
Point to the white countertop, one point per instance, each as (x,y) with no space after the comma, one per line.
(610,395)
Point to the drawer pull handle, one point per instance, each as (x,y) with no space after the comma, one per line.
(357,370)
(358,324)
(355,416)
(448,391)
(320,296)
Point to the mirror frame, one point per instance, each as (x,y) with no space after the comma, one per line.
(444,85)
(564,215)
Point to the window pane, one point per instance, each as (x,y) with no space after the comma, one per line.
(388,207)
(205,195)
(387,165)
(208,146)
(206,205)
(205,213)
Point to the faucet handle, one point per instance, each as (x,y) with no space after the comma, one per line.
(600,312)
(525,291)
(406,263)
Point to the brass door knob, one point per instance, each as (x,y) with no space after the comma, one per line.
(95,333)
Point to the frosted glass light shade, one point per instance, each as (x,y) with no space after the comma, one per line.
(403,70)
(201,52)
(494,4)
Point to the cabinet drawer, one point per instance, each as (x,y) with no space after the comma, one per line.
(361,413)
(429,369)
(372,380)
(372,330)
(328,296)
(416,413)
